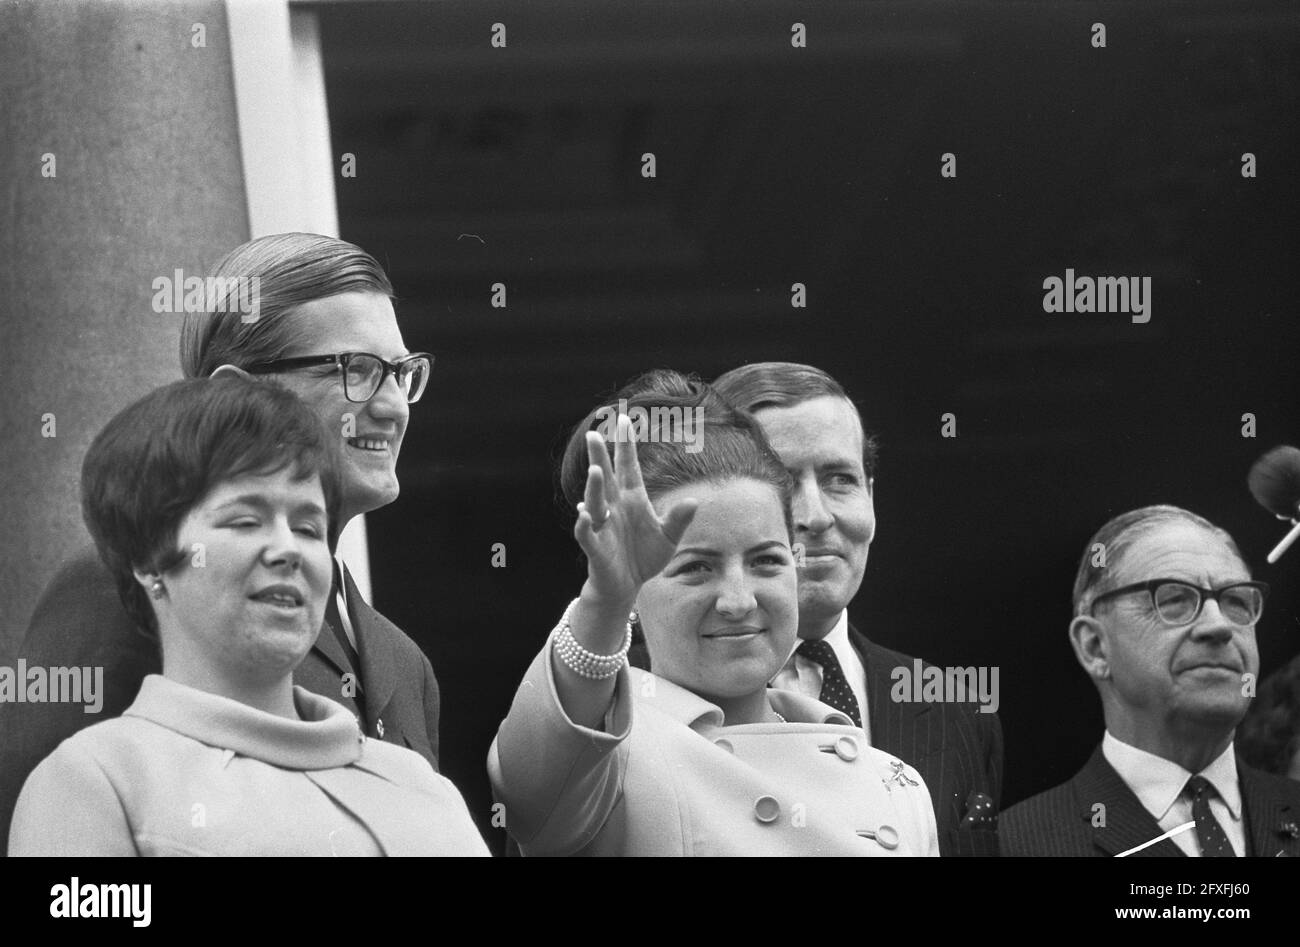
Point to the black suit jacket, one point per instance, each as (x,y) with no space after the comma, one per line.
(956,749)
(1060,821)
(80,622)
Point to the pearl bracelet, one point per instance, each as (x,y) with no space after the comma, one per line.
(579,660)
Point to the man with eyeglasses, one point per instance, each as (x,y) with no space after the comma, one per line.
(1164,624)
(324,327)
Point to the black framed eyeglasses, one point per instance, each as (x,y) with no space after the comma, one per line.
(363,373)
(1179,603)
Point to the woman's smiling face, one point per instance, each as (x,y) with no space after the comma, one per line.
(721,618)
(251,607)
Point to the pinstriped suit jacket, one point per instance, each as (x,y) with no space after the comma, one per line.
(956,749)
(1059,822)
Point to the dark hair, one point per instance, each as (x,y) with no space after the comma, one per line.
(1269,737)
(291,269)
(730,442)
(160,456)
(786,384)
(1119,533)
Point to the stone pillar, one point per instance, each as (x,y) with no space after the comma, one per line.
(120,164)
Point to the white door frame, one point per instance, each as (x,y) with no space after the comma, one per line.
(284,144)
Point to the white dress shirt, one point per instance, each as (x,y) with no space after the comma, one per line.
(805,677)
(1158,783)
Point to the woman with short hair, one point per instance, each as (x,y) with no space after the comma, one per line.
(211,501)
(315,313)
(690,526)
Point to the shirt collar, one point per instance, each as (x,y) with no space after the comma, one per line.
(340,587)
(700,715)
(1158,782)
(837,638)
(326,737)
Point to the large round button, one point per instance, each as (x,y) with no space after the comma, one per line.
(724,745)
(887,836)
(846,748)
(766,809)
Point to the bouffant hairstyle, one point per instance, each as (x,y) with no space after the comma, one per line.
(155,460)
(685,433)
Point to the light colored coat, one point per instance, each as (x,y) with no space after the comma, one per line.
(185,772)
(667,777)
(79,622)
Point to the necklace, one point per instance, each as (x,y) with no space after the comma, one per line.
(779,717)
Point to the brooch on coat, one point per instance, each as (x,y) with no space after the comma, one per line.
(898,776)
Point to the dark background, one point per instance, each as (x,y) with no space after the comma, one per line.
(521,165)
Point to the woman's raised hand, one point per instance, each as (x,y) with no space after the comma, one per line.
(625,540)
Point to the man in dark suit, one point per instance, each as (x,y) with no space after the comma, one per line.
(1164,624)
(816,430)
(320,299)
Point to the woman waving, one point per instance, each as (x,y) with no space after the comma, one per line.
(699,757)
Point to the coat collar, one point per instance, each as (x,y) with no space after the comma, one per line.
(1126,823)
(699,714)
(326,737)
(1272,822)
(327,645)
(1159,783)
(378,671)
(374,649)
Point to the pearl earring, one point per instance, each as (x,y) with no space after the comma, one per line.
(156,590)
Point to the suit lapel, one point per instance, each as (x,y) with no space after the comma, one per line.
(1271,822)
(1127,823)
(378,670)
(328,647)
(896,727)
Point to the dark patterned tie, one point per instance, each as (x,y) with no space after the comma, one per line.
(835,686)
(1214,841)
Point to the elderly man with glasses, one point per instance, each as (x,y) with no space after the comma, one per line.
(1164,624)
(324,327)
